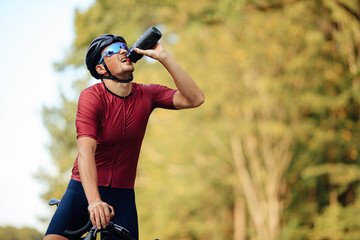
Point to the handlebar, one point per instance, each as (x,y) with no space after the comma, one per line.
(78,233)
(92,231)
(113,228)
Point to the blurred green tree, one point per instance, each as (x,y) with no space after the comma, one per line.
(13,233)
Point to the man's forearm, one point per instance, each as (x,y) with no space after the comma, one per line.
(184,83)
(88,175)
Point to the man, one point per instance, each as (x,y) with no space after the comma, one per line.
(111,121)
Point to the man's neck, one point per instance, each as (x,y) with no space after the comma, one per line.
(120,89)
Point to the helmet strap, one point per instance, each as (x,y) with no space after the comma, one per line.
(112,77)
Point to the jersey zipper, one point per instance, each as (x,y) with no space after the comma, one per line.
(124,132)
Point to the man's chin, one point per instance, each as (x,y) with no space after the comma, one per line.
(126,74)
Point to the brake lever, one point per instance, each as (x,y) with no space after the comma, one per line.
(121,229)
(91,234)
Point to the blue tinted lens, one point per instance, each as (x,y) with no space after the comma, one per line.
(113,49)
(109,53)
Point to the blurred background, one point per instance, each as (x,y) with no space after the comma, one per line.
(272,154)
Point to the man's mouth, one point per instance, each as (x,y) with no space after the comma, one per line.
(125,59)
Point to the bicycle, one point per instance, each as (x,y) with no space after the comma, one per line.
(92,231)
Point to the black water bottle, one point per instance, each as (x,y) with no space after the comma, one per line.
(147,41)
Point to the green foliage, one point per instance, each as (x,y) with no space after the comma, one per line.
(270,70)
(60,122)
(13,233)
(337,222)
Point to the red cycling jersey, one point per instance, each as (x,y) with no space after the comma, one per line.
(118,125)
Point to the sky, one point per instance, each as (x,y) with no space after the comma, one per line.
(33,35)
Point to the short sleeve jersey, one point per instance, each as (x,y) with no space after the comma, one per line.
(118,125)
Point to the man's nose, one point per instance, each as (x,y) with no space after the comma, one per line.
(122,51)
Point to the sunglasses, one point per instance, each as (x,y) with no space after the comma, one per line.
(113,49)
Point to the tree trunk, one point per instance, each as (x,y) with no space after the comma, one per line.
(261,178)
(239,214)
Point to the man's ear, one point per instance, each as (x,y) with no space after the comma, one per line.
(100,69)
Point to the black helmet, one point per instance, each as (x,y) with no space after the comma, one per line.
(93,53)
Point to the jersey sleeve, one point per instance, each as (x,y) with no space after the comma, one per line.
(163,97)
(88,114)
